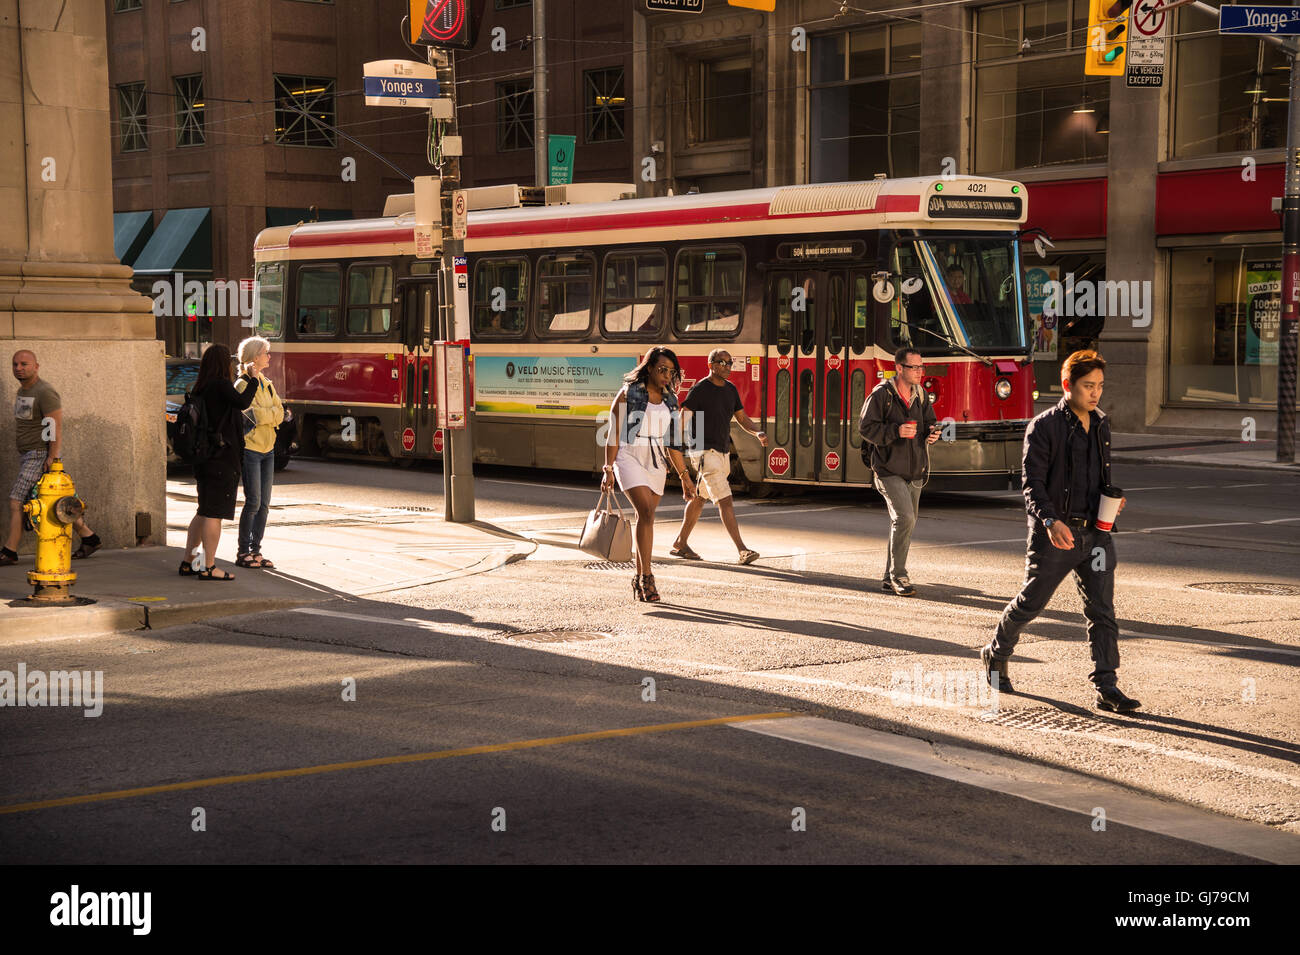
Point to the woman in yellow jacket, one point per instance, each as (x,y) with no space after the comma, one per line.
(260,421)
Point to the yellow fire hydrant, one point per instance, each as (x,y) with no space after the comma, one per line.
(53,511)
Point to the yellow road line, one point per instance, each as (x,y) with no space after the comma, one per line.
(382,761)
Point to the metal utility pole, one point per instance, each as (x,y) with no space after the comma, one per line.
(540,151)
(1286,346)
(458,444)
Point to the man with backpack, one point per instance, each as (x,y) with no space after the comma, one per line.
(38,431)
(897,423)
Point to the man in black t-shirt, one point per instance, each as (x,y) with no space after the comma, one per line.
(710,406)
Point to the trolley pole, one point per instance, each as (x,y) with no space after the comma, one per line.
(540,149)
(458,445)
(1286,346)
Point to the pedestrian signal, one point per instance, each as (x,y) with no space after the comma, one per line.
(1107,38)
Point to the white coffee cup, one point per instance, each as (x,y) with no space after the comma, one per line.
(1108,508)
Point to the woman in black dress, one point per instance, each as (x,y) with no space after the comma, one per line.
(218,477)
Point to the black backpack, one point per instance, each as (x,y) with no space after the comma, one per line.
(193,440)
(866,445)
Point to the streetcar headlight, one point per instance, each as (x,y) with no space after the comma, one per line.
(1002,388)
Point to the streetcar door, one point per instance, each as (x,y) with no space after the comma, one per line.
(861,375)
(419,304)
(795,388)
(832,378)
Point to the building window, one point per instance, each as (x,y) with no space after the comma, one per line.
(709,284)
(718,99)
(605,105)
(304,111)
(866,102)
(1225,307)
(511,4)
(189,110)
(1034,106)
(132,115)
(514,115)
(122,6)
(1231,94)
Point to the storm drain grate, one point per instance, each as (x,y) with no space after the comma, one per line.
(608,565)
(1046,719)
(1264,588)
(558,636)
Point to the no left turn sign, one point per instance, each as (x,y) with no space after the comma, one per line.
(1149,18)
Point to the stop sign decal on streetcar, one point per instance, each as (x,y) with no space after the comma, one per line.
(832,461)
(437,441)
(408,440)
(778,461)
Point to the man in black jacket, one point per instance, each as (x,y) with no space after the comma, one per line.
(897,422)
(1066,468)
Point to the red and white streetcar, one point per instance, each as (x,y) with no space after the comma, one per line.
(811,289)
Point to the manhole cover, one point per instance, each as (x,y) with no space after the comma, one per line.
(1246,587)
(1043,718)
(558,636)
(608,565)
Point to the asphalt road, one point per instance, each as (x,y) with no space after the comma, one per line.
(468,696)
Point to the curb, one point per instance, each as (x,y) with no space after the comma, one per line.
(158,617)
(1183,462)
(106,615)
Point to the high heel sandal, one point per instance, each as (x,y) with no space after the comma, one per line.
(651,594)
(636,587)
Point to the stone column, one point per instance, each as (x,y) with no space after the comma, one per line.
(1133,344)
(63,295)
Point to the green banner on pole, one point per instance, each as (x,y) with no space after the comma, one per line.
(560,159)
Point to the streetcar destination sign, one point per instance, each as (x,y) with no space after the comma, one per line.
(1259,21)
(966,207)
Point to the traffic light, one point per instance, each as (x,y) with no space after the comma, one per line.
(1107,37)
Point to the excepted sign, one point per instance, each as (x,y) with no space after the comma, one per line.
(778,461)
(1149,19)
(1144,63)
(459,216)
(404,83)
(460,297)
(559,150)
(675,6)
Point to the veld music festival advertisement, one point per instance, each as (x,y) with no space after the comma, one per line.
(582,385)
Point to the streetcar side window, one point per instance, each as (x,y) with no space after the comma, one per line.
(268,299)
(370,299)
(708,290)
(318,300)
(859,331)
(500,298)
(564,287)
(634,293)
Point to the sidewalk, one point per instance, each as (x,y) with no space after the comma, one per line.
(1198,450)
(320,552)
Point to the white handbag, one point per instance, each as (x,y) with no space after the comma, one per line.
(607,534)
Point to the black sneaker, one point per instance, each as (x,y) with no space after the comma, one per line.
(1110,698)
(902,586)
(995,670)
(885,586)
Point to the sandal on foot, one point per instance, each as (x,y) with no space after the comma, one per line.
(208,575)
(651,593)
(187,569)
(263,563)
(247,560)
(684,551)
(747,557)
(85,550)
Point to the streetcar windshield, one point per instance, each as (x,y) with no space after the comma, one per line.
(979,279)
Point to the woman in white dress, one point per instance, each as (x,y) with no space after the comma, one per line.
(644,441)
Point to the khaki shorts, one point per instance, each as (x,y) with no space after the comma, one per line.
(714,475)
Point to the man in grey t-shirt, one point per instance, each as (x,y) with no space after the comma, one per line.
(38,434)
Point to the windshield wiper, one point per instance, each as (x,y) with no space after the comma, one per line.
(945,338)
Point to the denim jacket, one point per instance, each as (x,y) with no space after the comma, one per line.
(638,398)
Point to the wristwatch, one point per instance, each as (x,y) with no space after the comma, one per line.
(1048,522)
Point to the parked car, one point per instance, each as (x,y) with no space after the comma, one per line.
(181,375)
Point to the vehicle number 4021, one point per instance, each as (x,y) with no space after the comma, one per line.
(977,187)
